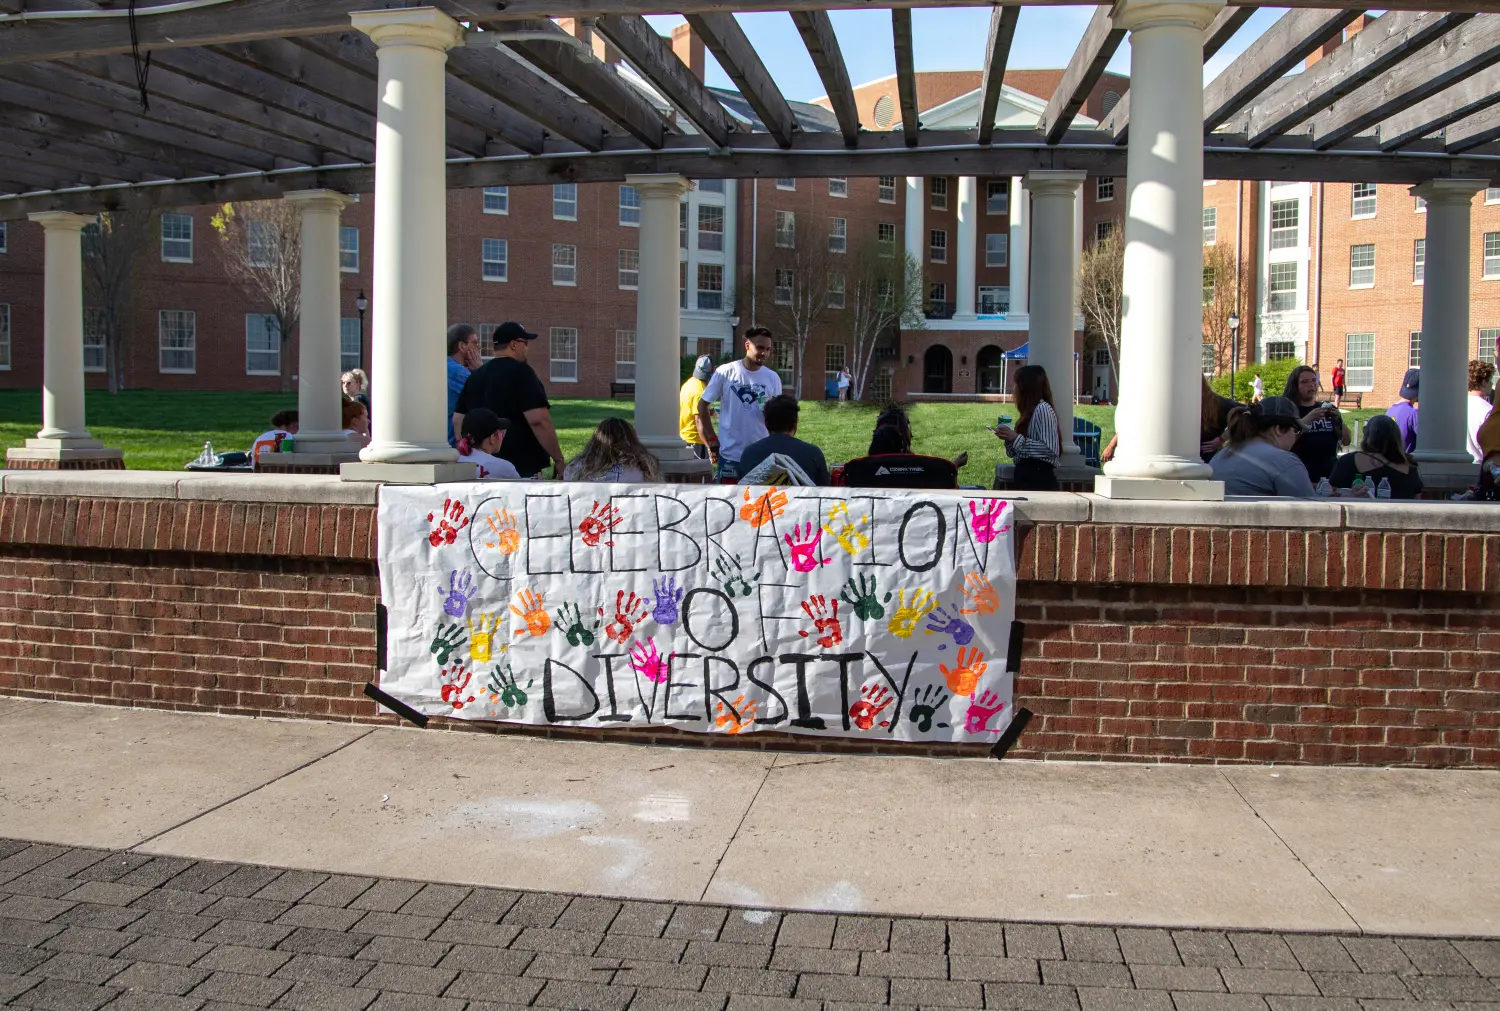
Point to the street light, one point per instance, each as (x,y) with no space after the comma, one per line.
(361,303)
(1234,348)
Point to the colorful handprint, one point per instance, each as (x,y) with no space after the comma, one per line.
(981,593)
(874,699)
(571,625)
(447,639)
(940,621)
(503,529)
(502,688)
(982,519)
(803,541)
(964,677)
(733,576)
(904,621)
(482,637)
(825,619)
(862,596)
(601,520)
(532,611)
(925,706)
(446,523)
(460,589)
(648,663)
(454,681)
(848,533)
(668,596)
(629,611)
(764,508)
(737,717)
(977,717)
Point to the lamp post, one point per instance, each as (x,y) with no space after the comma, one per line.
(1234,349)
(361,303)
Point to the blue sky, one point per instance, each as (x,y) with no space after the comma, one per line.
(946,38)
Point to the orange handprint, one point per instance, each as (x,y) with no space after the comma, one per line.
(762,510)
(981,591)
(964,678)
(533,612)
(736,718)
(503,527)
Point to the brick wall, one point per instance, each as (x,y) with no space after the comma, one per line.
(1144,643)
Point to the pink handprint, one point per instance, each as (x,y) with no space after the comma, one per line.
(628,614)
(826,625)
(454,681)
(646,661)
(983,520)
(600,521)
(803,540)
(981,709)
(874,700)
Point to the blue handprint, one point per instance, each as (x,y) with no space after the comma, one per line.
(941,621)
(460,588)
(668,595)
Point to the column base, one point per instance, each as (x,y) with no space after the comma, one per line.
(59,454)
(689,471)
(303,463)
(409,473)
(1447,476)
(668,450)
(965,317)
(1151,488)
(336,443)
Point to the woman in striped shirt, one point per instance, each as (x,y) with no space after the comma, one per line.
(1035,442)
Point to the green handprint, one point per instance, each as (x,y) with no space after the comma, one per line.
(502,688)
(573,627)
(861,597)
(733,575)
(448,639)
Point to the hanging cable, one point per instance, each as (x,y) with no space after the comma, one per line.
(142,67)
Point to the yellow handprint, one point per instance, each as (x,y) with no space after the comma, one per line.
(503,526)
(904,622)
(532,612)
(850,537)
(482,637)
(979,589)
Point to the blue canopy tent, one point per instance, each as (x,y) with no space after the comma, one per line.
(1021,354)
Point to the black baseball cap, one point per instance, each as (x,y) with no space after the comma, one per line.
(1409,384)
(507,332)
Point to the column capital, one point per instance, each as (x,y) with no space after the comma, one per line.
(1054,182)
(1438,191)
(65,221)
(426,27)
(317,200)
(1134,15)
(659,184)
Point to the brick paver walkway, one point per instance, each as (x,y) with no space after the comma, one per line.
(84,929)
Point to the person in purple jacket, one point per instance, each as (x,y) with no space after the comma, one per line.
(1404,411)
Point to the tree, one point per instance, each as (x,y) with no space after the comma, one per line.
(262,254)
(1226,291)
(794,295)
(110,249)
(882,292)
(1101,285)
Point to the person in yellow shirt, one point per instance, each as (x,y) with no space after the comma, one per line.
(690,426)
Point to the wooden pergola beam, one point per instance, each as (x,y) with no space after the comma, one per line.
(1470,133)
(724,37)
(654,60)
(906,75)
(823,46)
(1459,102)
(1003,20)
(1289,41)
(1100,40)
(507,79)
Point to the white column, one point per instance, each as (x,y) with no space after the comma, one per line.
(1020,250)
(321,428)
(968,237)
(410,275)
(1162,323)
(916,233)
(658,318)
(62,332)
(1441,436)
(1054,202)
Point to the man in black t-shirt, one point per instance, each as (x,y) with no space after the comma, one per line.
(509,387)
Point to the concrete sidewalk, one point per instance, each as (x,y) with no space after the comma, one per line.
(1253,848)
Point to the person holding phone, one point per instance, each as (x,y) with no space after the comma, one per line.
(1318,446)
(1035,442)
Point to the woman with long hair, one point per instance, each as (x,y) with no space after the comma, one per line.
(1257,457)
(1213,419)
(1035,442)
(614,455)
(1324,430)
(1381,454)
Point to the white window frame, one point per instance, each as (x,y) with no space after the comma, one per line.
(259,325)
(628,270)
(1492,336)
(833,363)
(708,289)
(886,246)
(709,186)
(630,206)
(93,339)
(937,192)
(564,265)
(997,197)
(1272,291)
(1414,350)
(838,186)
(4,336)
(564,333)
(937,245)
(1420,205)
(1418,261)
(1489,251)
(782,293)
(992,258)
(996,297)
(564,201)
(178,317)
(258,237)
(625,367)
(786,230)
(714,236)
(787,183)
(1277,351)
(496,200)
(837,288)
(1104,189)
(5,236)
(1279,233)
(938,292)
(1210,225)
(838,236)
(1491,196)
(885,192)
(1359,378)
(1363,201)
(1358,280)
(1210,360)
(348,252)
(488,248)
(176,219)
(349,335)
(1103,229)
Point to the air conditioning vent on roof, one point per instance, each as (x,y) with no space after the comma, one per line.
(885,111)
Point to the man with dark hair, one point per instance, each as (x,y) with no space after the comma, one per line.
(463,358)
(1404,410)
(741,389)
(508,386)
(781,421)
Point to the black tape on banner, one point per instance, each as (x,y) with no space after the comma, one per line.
(395,705)
(1013,654)
(380,636)
(1012,732)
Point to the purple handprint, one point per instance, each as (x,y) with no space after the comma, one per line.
(668,596)
(460,589)
(803,540)
(941,621)
(982,521)
(977,718)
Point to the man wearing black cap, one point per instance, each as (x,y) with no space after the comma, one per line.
(509,387)
(1404,411)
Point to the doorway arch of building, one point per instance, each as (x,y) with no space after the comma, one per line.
(937,370)
(988,375)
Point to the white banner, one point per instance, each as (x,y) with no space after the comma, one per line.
(718,609)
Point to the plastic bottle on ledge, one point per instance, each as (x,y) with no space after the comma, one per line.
(1383,490)
(1324,489)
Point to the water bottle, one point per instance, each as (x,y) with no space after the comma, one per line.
(1357,486)
(1383,490)
(1324,489)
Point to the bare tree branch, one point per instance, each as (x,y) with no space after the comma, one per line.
(1226,290)
(261,243)
(110,251)
(1101,271)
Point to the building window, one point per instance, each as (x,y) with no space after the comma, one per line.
(176,334)
(630,269)
(94,354)
(838,235)
(786,229)
(783,293)
(880,386)
(177,238)
(564,341)
(838,187)
(1487,341)
(1103,230)
(682,284)
(786,184)
(4,337)
(710,185)
(1414,351)
(5,231)
(885,189)
(1364,202)
(1282,293)
(495,265)
(711,286)
(994,300)
(630,206)
(624,356)
(1104,189)
(1210,225)
(564,264)
(349,343)
(349,250)
(682,215)
(1284,214)
(1210,277)
(710,228)
(996,249)
(1421,207)
(1491,196)
(836,291)
(938,293)
(1277,351)
(885,238)
(997,197)
(497,200)
(262,243)
(781,360)
(1362,265)
(1210,360)
(938,186)
(1492,254)
(1359,361)
(487,339)
(1419,261)
(885,292)
(937,243)
(262,345)
(834,360)
(565,201)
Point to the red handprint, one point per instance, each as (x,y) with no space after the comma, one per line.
(600,521)
(647,662)
(447,522)
(825,622)
(803,540)
(977,718)
(982,521)
(455,680)
(628,614)
(874,700)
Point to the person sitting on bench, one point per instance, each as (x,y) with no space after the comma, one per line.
(891,464)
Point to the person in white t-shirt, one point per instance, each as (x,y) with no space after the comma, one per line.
(283,427)
(741,389)
(483,432)
(1481,390)
(1258,389)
